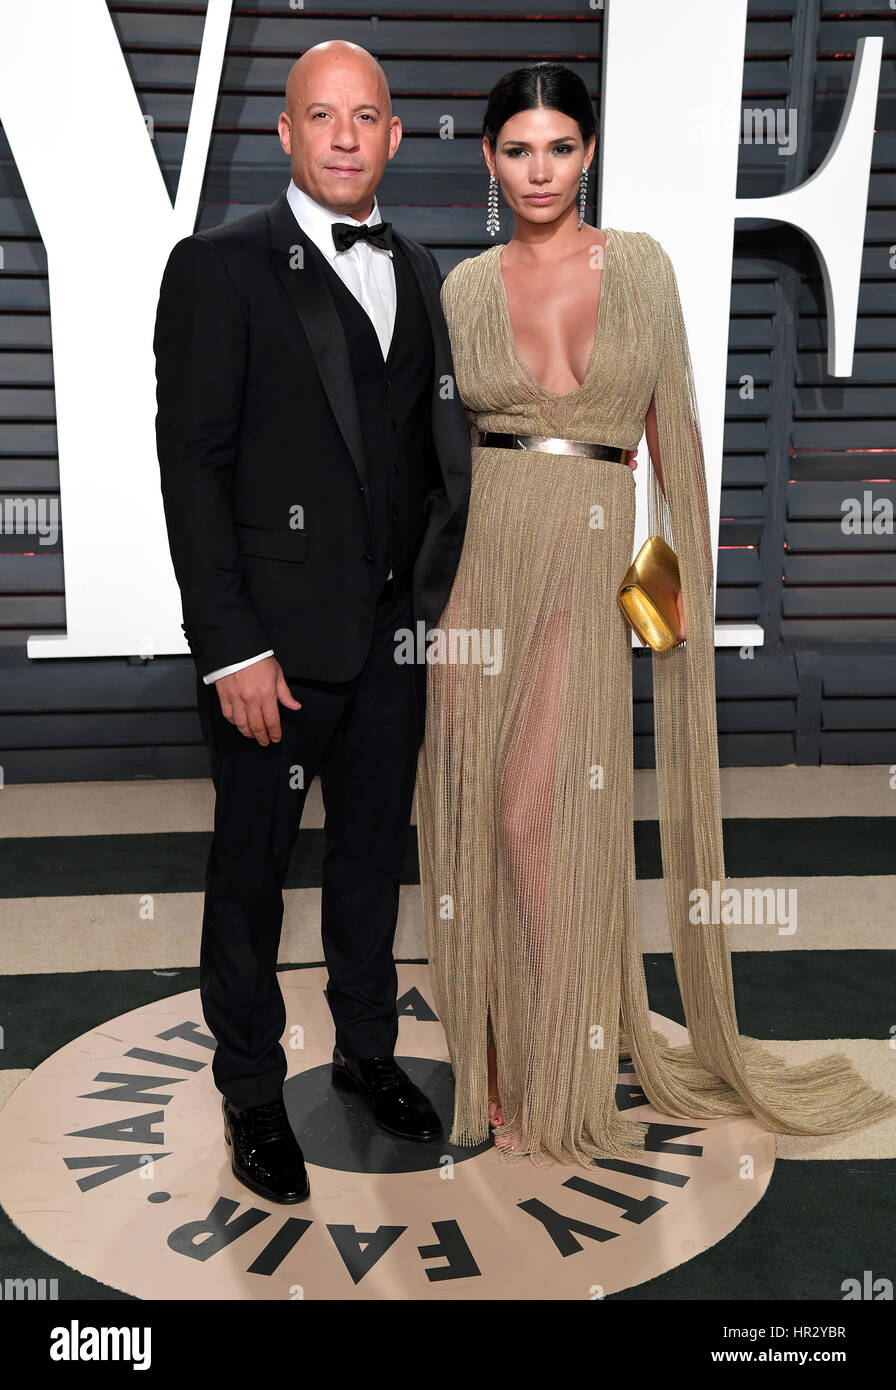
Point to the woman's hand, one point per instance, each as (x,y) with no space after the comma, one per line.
(632,460)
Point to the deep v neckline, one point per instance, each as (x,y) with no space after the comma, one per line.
(524,367)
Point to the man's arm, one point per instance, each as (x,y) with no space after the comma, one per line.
(474,433)
(200,344)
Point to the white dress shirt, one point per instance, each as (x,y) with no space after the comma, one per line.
(364,269)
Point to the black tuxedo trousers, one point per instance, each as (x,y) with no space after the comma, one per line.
(362,737)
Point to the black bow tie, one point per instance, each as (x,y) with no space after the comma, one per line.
(345,234)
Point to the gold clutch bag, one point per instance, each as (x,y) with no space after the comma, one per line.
(648,595)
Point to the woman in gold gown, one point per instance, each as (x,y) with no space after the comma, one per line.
(525,778)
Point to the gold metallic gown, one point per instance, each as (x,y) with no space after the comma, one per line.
(525,777)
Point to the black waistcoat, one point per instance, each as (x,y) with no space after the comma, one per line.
(394,408)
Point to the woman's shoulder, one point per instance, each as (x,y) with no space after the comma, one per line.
(656,257)
(647,262)
(465,277)
(643,246)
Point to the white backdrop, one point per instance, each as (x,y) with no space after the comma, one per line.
(670,130)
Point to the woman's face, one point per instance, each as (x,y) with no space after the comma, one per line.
(538,161)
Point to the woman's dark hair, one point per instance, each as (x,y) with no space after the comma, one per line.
(539,84)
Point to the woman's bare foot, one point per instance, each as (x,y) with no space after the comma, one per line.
(495,1113)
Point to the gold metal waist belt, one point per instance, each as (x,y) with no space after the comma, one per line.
(544,444)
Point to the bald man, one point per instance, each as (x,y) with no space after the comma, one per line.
(315,474)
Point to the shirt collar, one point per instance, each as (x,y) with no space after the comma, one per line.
(316,221)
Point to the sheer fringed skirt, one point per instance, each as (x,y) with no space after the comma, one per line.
(526,840)
(524,799)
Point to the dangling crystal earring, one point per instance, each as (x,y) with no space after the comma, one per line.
(583,191)
(492,224)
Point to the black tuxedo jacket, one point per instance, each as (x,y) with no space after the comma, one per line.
(256,414)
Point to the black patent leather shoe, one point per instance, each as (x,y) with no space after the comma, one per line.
(398,1106)
(266,1156)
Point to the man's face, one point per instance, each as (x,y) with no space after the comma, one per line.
(339,133)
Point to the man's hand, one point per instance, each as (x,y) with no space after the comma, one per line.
(249,699)
(633,460)
(682,630)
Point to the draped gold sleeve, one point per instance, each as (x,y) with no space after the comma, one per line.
(721,1072)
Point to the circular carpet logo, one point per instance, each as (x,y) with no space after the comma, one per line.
(112,1159)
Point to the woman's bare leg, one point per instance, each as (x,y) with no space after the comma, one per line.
(527,800)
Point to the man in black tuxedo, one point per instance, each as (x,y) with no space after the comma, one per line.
(315,470)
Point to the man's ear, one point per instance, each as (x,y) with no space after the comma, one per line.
(284,130)
(395,141)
